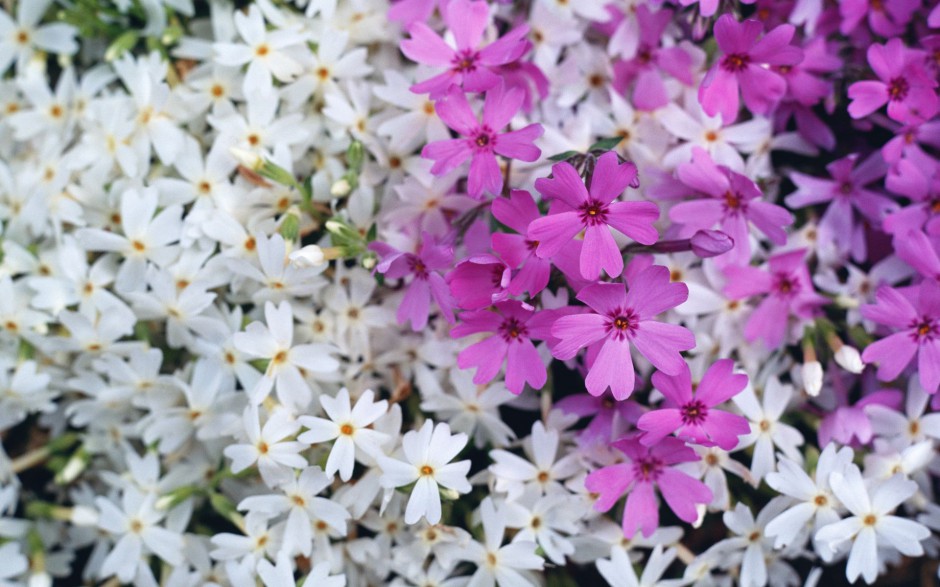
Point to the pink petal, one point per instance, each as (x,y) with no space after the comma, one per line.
(487,356)
(467,20)
(929,365)
(768,322)
(703,175)
(661,344)
(565,185)
(720,383)
(507,48)
(484,176)
(736,37)
(518,144)
(516,211)
(761,89)
(612,368)
(554,232)
(682,493)
(611,177)
(456,112)
(866,96)
(576,332)
(676,388)
(641,511)
(724,428)
(447,154)
(610,483)
(658,424)
(415,305)
(720,95)
(892,354)
(651,292)
(773,48)
(892,309)
(600,251)
(524,364)
(604,298)
(425,46)
(635,219)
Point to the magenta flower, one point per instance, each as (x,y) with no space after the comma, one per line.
(426,281)
(609,418)
(644,469)
(517,212)
(741,67)
(514,327)
(575,208)
(622,317)
(651,61)
(888,19)
(916,317)
(482,143)
(904,84)
(734,201)
(846,194)
(690,414)
(479,281)
(468,66)
(789,291)
(410,11)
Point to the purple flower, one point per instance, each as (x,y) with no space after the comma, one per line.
(903,84)
(844,192)
(741,67)
(517,212)
(734,201)
(514,326)
(609,417)
(468,66)
(426,281)
(690,414)
(789,291)
(479,281)
(621,317)
(574,209)
(645,468)
(482,143)
(916,317)
(885,18)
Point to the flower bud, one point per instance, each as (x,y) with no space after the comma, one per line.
(340,188)
(812,373)
(849,359)
(308,256)
(247,158)
(83,516)
(711,243)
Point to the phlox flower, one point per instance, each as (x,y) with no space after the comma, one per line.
(903,84)
(741,66)
(479,281)
(690,414)
(544,469)
(20,39)
(267,447)
(888,19)
(426,282)
(468,66)
(619,317)
(517,212)
(789,291)
(500,565)
(871,522)
(916,318)
(575,207)
(482,141)
(644,469)
(428,453)
(734,201)
(514,327)
(767,431)
(267,53)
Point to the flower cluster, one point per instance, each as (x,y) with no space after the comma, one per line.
(469,292)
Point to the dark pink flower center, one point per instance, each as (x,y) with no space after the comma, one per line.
(898,89)
(531,245)
(622,324)
(647,469)
(513,330)
(925,329)
(484,140)
(735,62)
(734,204)
(593,213)
(465,61)
(497,276)
(694,412)
(785,285)
(418,267)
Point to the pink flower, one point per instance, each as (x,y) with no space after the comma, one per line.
(426,282)
(734,201)
(479,281)
(846,194)
(609,417)
(621,317)
(517,212)
(574,209)
(514,326)
(916,317)
(789,291)
(741,67)
(885,18)
(467,66)
(482,143)
(903,84)
(690,415)
(645,468)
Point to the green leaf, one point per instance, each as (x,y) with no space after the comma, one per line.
(563,156)
(606,144)
(121,45)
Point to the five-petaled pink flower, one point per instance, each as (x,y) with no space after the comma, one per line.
(482,142)
(514,328)
(575,208)
(691,415)
(741,66)
(426,283)
(517,212)
(917,318)
(468,66)
(645,468)
(621,317)
(903,84)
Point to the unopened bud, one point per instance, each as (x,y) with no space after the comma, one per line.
(340,188)
(249,159)
(711,243)
(812,373)
(308,256)
(84,516)
(849,359)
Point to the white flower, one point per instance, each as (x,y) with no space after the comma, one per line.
(267,53)
(766,429)
(473,409)
(513,473)
(618,570)
(282,575)
(349,427)
(266,446)
(871,524)
(500,565)
(18,40)
(428,453)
